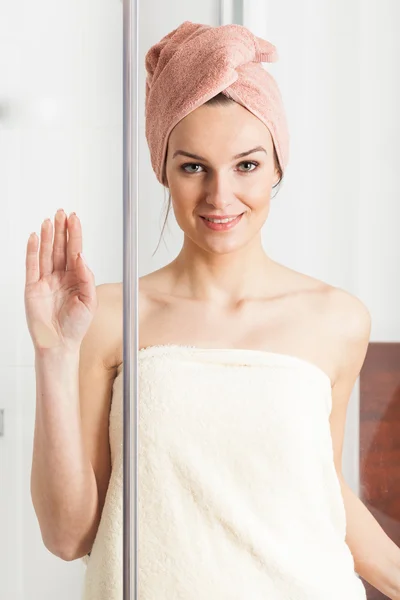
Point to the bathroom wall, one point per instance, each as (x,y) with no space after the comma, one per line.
(60,147)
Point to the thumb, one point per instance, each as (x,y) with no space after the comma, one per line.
(86,280)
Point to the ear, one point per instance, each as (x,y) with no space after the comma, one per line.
(277,176)
(164,176)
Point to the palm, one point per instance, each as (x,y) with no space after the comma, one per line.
(59,304)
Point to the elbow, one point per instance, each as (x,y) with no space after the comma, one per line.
(58,549)
(64,540)
(64,553)
(67,545)
(65,537)
(67,551)
(70,555)
(57,543)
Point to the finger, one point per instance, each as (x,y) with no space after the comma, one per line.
(87,291)
(46,249)
(74,241)
(60,241)
(31,260)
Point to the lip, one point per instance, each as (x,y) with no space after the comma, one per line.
(222,226)
(220,216)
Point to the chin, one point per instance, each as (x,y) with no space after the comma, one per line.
(220,247)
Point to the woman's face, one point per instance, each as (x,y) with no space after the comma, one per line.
(214,183)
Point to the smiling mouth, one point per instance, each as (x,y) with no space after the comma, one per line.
(222,219)
(221,223)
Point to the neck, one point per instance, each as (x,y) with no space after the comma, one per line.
(224,278)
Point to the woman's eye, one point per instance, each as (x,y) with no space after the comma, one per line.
(246,162)
(190,165)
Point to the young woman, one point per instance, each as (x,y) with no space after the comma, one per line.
(245,368)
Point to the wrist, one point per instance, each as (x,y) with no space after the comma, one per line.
(56,354)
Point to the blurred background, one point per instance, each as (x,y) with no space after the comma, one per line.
(335,216)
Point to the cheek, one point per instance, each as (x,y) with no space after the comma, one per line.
(259,191)
(182,205)
(257,202)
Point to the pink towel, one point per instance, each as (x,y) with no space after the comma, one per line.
(195,62)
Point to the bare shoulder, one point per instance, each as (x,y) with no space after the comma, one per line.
(345,322)
(112,297)
(348,323)
(334,308)
(347,314)
(145,295)
(339,320)
(341,316)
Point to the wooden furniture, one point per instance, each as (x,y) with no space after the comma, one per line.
(380,440)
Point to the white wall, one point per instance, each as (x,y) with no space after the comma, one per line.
(378,209)
(60,147)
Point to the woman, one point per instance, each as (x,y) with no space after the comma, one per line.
(245,368)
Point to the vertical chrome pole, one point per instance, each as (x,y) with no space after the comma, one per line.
(130,295)
(221,12)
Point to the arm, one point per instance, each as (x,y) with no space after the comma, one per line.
(376,556)
(63,484)
(71,457)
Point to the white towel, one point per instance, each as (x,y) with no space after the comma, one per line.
(238,494)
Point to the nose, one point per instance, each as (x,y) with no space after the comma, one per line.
(219,192)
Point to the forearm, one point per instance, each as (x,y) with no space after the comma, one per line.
(63,484)
(376,556)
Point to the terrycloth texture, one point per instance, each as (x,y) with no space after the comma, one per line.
(238,493)
(195,62)
(103,577)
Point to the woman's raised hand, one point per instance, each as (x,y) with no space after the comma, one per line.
(60,291)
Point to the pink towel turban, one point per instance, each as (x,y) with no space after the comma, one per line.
(195,62)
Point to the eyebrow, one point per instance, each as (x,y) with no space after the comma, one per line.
(240,155)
